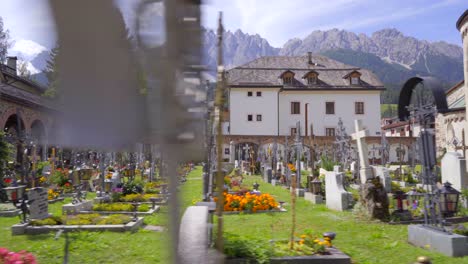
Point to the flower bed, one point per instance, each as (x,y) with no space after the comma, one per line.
(119,207)
(85,222)
(83,219)
(306,249)
(249,202)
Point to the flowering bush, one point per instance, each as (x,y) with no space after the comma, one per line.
(306,244)
(291,167)
(52,194)
(10,257)
(60,177)
(249,202)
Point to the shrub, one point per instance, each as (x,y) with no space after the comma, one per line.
(143,208)
(116,219)
(113,207)
(254,250)
(132,187)
(53,220)
(137,197)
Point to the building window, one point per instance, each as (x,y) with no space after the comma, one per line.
(259,93)
(330,108)
(226,151)
(359,108)
(295,108)
(330,132)
(312,79)
(259,117)
(249,118)
(293,131)
(249,94)
(287,80)
(355,80)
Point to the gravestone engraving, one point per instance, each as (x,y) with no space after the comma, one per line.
(39,206)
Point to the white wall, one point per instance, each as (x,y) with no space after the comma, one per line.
(344,108)
(240,105)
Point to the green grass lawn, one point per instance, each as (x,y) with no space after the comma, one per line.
(365,242)
(103,247)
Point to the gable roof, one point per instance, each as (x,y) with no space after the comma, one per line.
(264,72)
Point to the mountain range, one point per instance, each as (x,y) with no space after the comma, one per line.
(391,55)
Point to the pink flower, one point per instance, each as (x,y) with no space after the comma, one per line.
(3,252)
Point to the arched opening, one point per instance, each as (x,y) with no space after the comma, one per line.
(14,124)
(15,131)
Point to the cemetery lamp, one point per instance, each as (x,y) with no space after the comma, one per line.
(15,193)
(448,200)
(399,196)
(413,196)
(316,186)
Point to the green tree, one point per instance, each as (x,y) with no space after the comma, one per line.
(4,41)
(52,74)
(5,152)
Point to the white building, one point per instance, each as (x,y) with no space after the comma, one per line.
(269,95)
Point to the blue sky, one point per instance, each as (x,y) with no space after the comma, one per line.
(276,20)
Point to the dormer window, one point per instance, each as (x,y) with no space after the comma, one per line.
(311,77)
(354,77)
(287,77)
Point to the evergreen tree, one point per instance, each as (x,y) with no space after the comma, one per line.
(4,42)
(52,74)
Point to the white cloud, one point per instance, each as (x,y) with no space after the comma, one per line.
(26,49)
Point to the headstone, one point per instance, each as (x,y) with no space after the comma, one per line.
(454,170)
(337,198)
(269,173)
(359,136)
(39,206)
(231,152)
(384,174)
(353,166)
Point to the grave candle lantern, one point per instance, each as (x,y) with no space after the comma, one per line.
(400,197)
(15,193)
(448,200)
(414,196)
(316,186)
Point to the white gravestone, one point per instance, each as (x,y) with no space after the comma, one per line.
(359,136)
(337,198)
(39,206)
(454,170)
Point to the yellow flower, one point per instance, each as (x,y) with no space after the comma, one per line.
(303,236)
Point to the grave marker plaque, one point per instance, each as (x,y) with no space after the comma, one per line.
(39,206)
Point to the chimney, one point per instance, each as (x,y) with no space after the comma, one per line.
(310,57)
(11,63)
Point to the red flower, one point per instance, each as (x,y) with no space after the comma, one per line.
(7,180)
(67,184)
